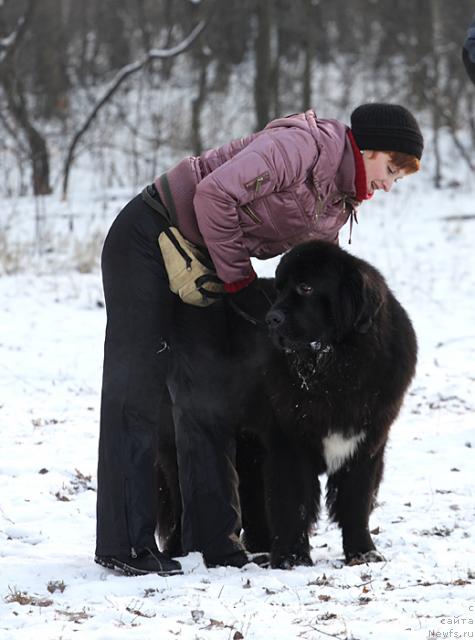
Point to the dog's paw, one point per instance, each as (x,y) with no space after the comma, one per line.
(281,562)
(255,544)
(363,558)
(290,560)
(261,559)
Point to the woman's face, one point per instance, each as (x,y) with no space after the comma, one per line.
(381,173)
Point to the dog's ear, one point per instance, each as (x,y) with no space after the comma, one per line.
(369,294)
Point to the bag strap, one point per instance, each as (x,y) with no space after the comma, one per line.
(167,194)
(150,197)
(171,236)
(207,293)
(212,295)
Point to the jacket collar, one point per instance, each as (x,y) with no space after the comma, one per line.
(345,177)
(360,188)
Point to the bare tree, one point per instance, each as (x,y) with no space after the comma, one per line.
(55,53)
(120,77)
(16,99)
(198,101)
(263,79)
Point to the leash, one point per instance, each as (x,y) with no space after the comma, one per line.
(247,316)
(243,314)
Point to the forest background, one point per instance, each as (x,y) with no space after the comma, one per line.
(254,60)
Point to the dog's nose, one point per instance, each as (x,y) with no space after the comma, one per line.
(275,318)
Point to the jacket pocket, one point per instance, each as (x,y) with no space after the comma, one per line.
(252,214)
(256,183)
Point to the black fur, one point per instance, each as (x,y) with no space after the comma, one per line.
(341,356)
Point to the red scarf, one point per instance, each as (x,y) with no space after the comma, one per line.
(360,171)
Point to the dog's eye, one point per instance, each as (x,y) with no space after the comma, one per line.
(304,289)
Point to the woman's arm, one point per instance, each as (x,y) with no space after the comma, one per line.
(272,162)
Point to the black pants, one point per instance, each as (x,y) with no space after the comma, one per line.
(204,415)
(148,327)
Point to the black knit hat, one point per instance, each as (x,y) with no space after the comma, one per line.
(386,127)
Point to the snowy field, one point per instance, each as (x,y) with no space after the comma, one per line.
(51,335)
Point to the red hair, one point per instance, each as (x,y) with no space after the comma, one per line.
(404,161)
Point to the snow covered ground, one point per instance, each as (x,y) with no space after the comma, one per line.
(51,334)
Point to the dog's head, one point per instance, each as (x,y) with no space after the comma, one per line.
(324,295)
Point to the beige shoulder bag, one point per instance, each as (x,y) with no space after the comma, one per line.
(190,270)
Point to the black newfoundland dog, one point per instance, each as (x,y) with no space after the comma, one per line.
(318,396)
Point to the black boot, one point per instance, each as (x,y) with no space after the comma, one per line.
(145,562)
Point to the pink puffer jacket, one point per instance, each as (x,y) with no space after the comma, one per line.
(262,194)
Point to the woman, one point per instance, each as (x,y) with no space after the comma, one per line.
(301,177)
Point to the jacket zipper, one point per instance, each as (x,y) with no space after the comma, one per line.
(343,199)
(259,181)
(251,213)
(256,183)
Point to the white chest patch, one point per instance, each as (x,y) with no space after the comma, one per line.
(338,448)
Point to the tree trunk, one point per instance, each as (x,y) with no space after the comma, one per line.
(12,86)
(38,149)
(307,77)
(437,155)
(197,104)
(120,77)
(263,81)
(434,92)
(308,48)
